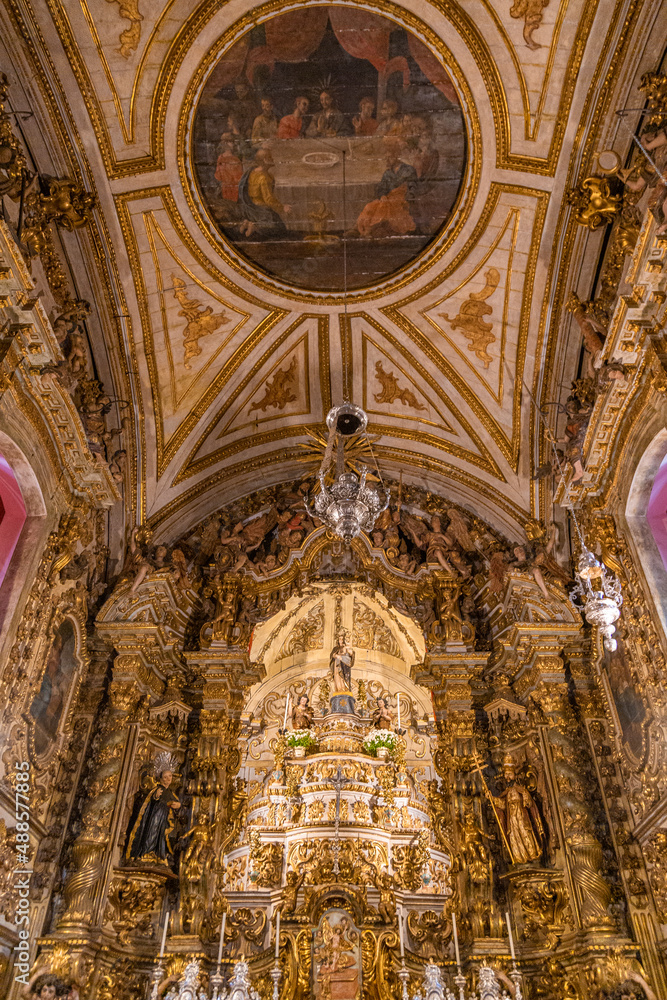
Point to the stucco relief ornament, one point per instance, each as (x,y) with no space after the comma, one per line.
(349,506)
(601,594)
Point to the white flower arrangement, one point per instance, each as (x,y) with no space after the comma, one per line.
(380,738)
(301,738)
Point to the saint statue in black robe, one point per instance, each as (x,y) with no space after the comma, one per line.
(152,823)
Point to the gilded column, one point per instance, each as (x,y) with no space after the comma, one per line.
(86,864)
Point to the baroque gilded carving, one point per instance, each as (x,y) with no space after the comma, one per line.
(655,852)
(131,902)
(266,860)
(369,631)
(594,202)
(307,633)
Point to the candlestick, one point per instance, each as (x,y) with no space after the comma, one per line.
(275,976)
(222,937)
(398,705)
(277,933)
(217,982)
(158,972)
(164,934)
(460,981)
(400,931)
(404,976)
(456,942)
(286,711)
(509,931)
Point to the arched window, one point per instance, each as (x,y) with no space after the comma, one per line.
(646,516)
(23,526)
(12,514)
(656,512)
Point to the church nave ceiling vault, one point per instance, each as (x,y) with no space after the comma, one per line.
(227,365)
(333,470)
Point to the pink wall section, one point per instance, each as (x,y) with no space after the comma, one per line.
(656,512)
(12,514)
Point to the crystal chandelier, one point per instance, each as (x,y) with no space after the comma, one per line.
(603,600)
(349,506)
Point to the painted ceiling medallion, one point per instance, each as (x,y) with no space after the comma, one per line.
(327,124)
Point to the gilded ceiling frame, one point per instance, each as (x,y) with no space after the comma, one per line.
(466,27)
(599,96)
(509,449)
(167,449)
(191,467)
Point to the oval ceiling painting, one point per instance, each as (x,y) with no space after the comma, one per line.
(329,142)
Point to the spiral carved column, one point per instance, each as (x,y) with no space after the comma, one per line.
(87,856)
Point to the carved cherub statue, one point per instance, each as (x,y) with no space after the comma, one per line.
(384,883)
(245,538)
(381,717)
(293,882)
(138,563)
(593,332)
(302,714)
(181,570)
(198,848)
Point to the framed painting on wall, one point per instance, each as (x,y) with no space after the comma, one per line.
(336,957)
(51,700)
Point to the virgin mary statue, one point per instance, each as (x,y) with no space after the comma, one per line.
(341,661)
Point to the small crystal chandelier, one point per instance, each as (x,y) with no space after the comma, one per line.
(349,506)
(601,603)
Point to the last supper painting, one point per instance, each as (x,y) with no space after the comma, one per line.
(329,147)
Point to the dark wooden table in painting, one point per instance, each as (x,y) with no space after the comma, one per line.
(323,125)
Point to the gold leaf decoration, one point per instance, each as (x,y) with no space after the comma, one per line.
(469,319)
(277,391)
(307,634)
(391,390)
(369,631)
(201,321)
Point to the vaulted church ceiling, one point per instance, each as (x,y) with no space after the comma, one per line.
(250,162)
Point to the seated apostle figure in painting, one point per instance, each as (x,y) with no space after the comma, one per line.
(390,212)
(261,209)
(293,126)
